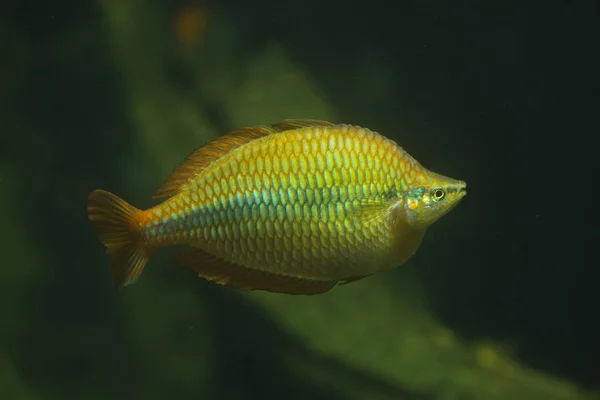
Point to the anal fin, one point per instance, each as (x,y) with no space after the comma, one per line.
(352,279)
(225,273)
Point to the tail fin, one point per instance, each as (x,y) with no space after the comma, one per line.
(117,224)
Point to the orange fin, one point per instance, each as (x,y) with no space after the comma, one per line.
(353,279)
(288,124)
(201,158)
(117,224)
(224,273)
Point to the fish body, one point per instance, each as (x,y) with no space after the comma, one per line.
(296,208)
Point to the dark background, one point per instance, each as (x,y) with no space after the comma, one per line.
(503,95)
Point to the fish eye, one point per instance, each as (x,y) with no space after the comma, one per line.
(438,194)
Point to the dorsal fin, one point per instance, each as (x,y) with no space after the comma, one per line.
(205,155)
(288,124)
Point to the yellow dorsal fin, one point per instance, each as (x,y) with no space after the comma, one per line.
(215,269)
(288,124)
(205,155)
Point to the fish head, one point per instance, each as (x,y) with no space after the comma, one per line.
(432,197)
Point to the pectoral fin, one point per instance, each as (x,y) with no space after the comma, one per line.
(372,209)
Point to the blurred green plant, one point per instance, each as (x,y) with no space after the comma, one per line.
(171,335)
(378,325)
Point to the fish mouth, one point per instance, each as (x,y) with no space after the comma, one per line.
(462,189)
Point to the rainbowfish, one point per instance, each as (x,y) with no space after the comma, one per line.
(296,207)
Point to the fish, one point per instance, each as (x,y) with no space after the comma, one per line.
(294,207)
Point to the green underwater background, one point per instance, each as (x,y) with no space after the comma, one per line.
(498,303)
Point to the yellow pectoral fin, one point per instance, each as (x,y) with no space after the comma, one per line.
(215,269)
(372,209)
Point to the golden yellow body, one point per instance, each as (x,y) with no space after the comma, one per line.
(293,208)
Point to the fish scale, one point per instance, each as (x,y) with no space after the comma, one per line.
(295,208)
(286,198)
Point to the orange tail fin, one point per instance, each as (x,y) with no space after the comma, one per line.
(117,224)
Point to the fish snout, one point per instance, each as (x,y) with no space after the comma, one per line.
(462,189)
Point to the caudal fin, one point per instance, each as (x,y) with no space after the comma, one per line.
(117,225)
